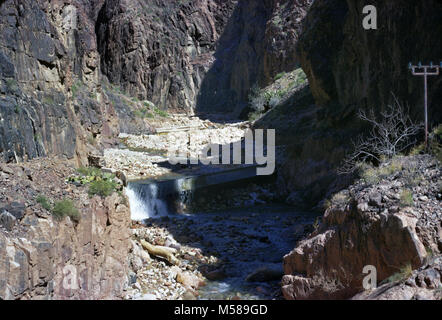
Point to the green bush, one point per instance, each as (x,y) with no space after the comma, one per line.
(160,112)
(143,113)
(103,188)
(44,202)
(279,76)
(89,171)
(373,175)
(76,86)
(65,208)
(406,198)
(12,84)
(404,273)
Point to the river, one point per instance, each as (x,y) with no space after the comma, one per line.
(244,239)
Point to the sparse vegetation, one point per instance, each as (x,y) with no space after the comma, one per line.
(143,113)
(76,86)
(160,112)
(406,198)
(391,133)
(11,84)
(404,273)
(100,183)
(66,208)
(44,202)
(261,100)
(48,99)
(279,76)
(372,175)
(102,188)
(89,171)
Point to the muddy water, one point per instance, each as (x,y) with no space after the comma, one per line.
(245,240)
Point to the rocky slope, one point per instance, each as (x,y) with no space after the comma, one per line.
(391,219)
(47,258)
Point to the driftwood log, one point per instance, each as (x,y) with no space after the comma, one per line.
(160,251)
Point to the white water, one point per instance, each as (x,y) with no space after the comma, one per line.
(144,202)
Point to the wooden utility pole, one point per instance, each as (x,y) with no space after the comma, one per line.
(425,71)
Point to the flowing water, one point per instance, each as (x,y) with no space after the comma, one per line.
(145,201)
(245,239)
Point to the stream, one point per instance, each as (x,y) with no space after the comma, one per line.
(250,242)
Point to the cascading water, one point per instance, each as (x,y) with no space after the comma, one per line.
(145,201)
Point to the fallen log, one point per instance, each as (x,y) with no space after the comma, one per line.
(160,251)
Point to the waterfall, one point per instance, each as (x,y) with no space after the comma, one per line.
(145,201)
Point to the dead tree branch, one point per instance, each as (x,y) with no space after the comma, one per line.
(392,132)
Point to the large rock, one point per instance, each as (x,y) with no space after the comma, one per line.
(330,265)
(423,284)
(359,230)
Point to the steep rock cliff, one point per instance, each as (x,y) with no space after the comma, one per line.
(351,68)
(201,55)
(160,50)
(51,101)
(48,258)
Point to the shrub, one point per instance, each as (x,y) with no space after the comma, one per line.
(406,198)
(340,198)
(89,171)
(12,84)
(103,188)
(373,175)
(76,86)
(160,112)
(143,113)
(279,76)
(404,273)
(391,133)
(65,208)
(44,202)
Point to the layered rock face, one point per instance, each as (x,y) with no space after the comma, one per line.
(258,42)
(370,225)
(43,258)
(51,98)
(160,50)
(351,68)
(203,55)
(41,52)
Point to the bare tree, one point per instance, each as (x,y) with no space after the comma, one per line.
(391,133)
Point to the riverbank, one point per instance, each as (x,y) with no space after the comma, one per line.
(234,254)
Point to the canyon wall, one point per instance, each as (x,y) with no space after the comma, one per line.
(43,257)
(197,56)
(350,68)
(52,101)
